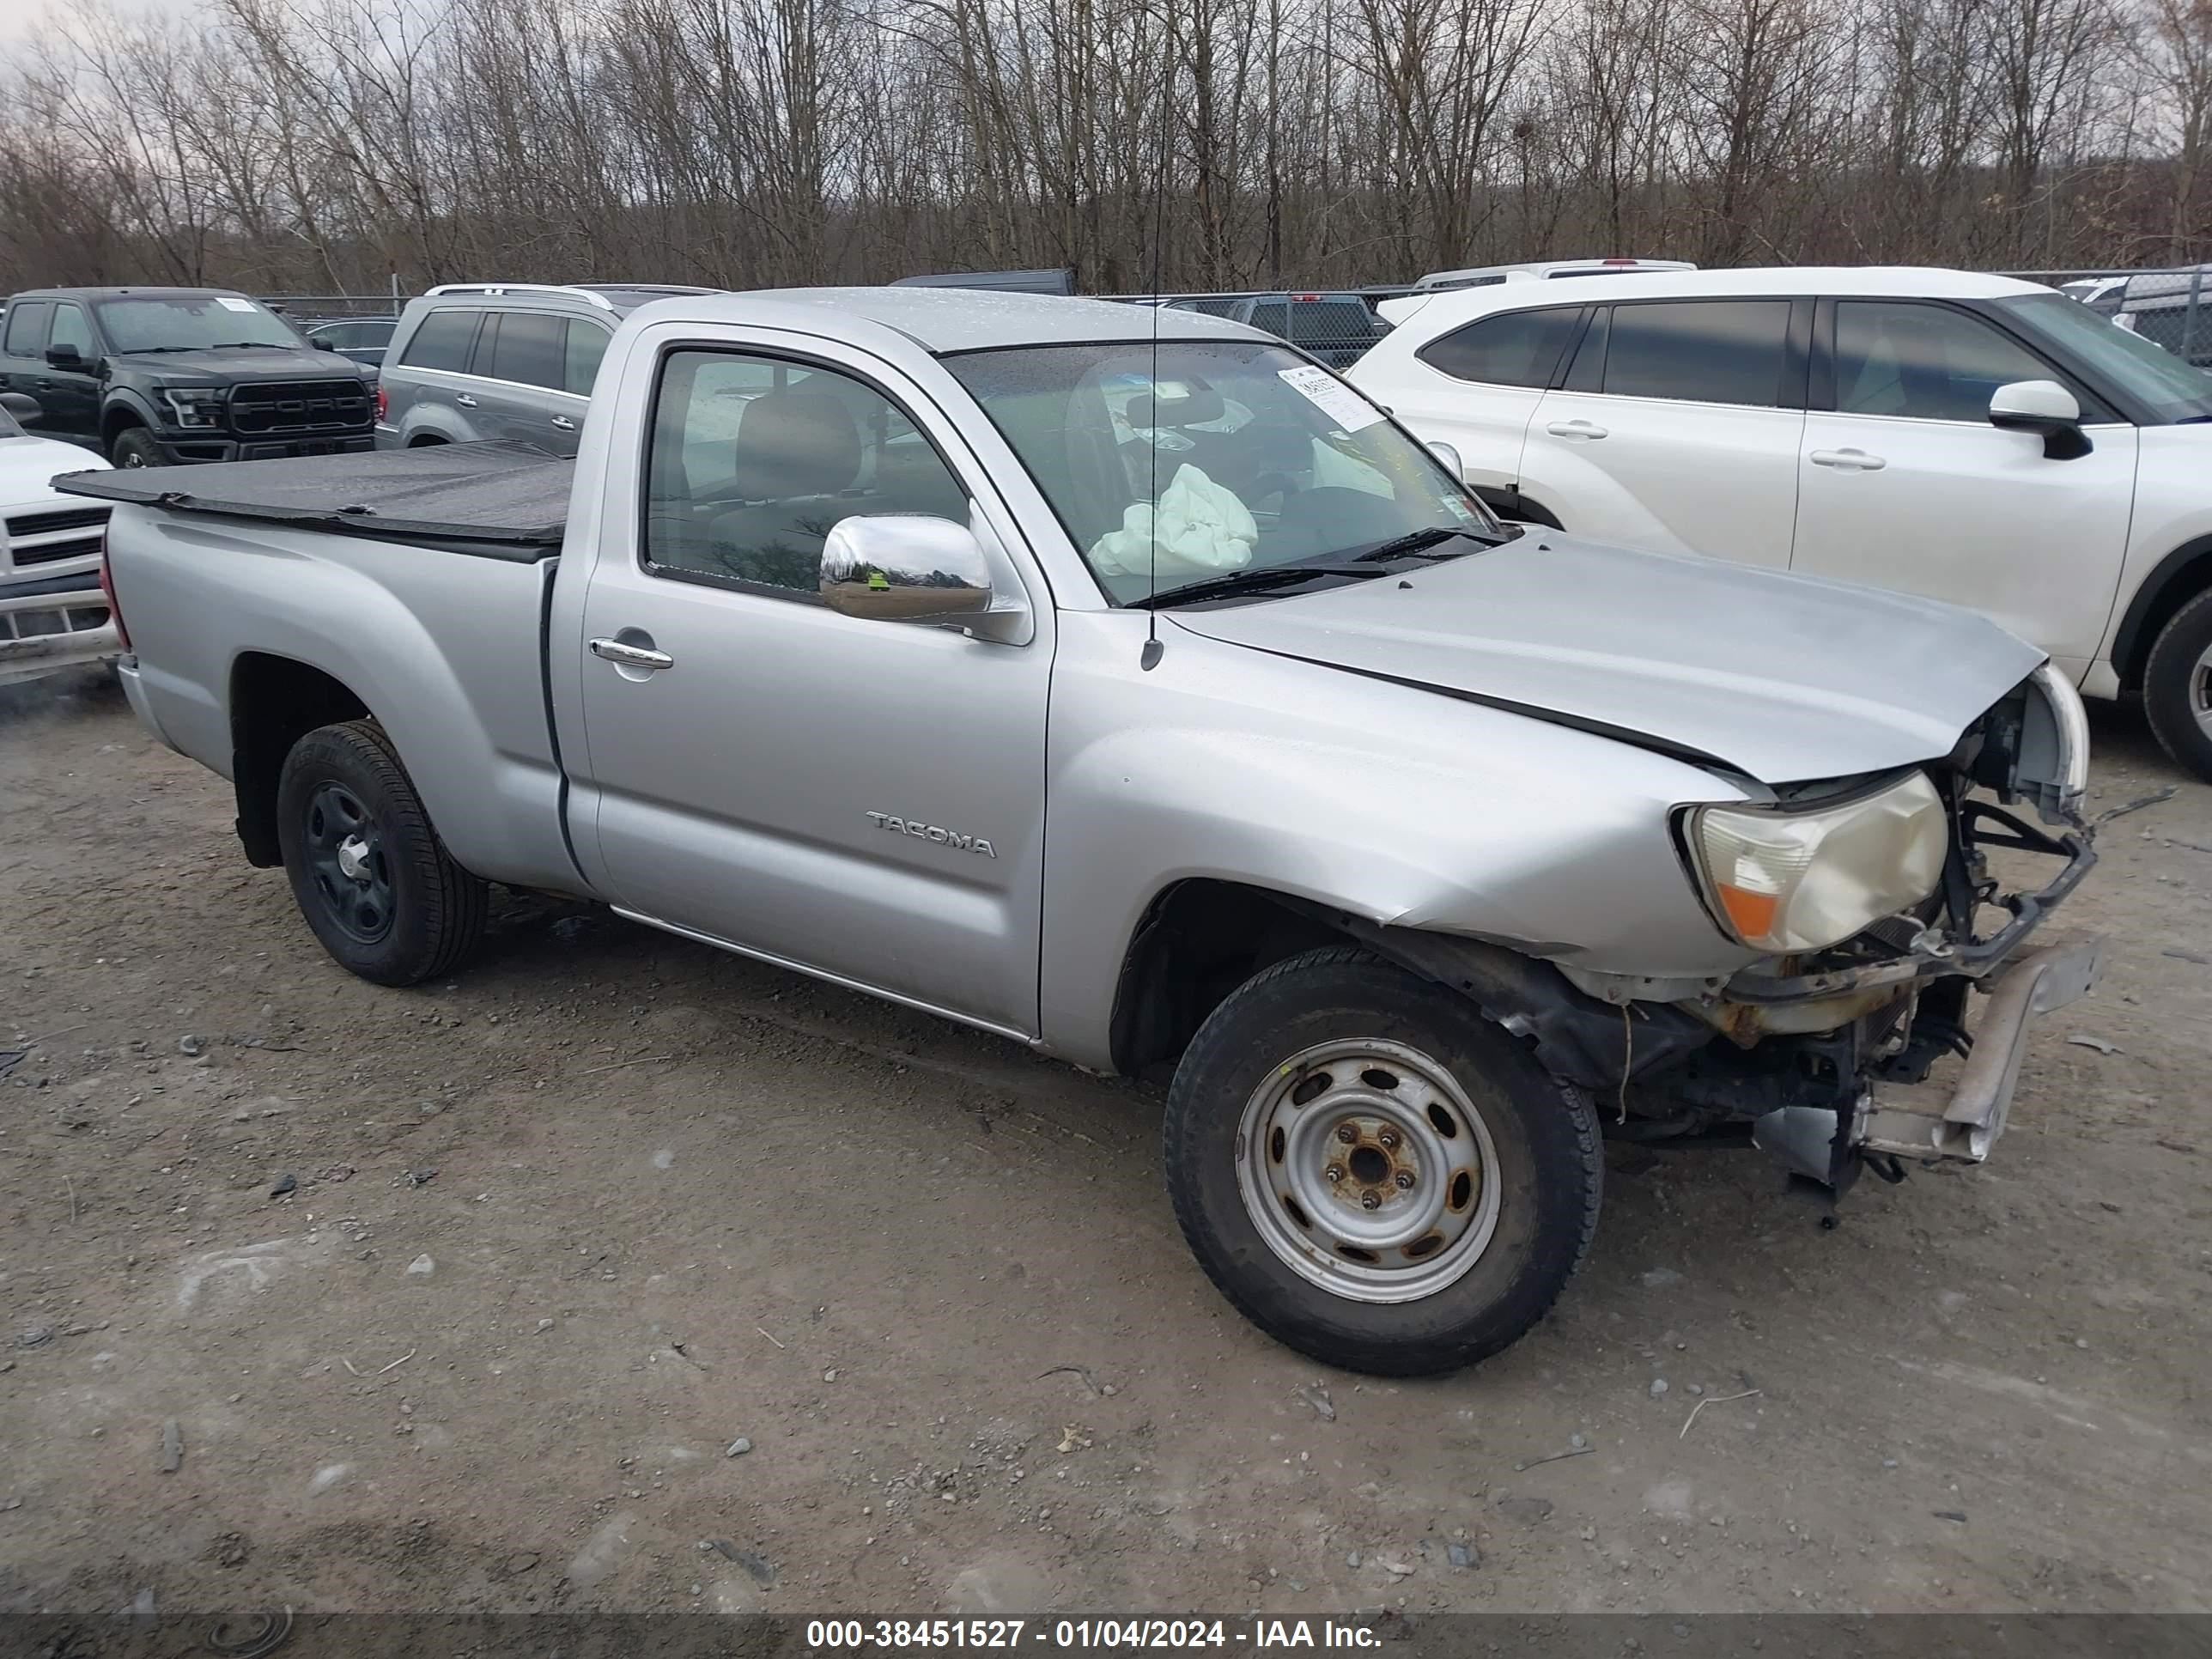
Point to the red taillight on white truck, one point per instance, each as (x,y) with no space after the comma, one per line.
(383,403)
(107,587)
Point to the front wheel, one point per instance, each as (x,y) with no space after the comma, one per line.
(368,872)
(2176,686)
(135,446)
(1372,1172)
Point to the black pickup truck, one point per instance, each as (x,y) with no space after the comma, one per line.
(153,376)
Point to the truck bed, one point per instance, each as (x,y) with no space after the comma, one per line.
(505,500)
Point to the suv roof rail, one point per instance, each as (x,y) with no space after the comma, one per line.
(598,300)
(645,288)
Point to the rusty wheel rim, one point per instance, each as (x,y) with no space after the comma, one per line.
(1367,1170)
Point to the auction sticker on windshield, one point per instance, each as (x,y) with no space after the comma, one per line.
(230,304)
(1331,396)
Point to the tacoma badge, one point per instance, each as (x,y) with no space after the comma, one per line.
(932,832)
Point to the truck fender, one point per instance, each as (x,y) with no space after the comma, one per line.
(125,406)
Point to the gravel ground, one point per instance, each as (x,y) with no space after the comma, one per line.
(462,1297)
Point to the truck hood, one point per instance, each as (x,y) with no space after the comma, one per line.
(27,463)
(236,363)
(1783,678)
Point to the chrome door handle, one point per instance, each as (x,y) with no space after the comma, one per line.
(564,423)
(1847,460)
(1575,429)
(630,656)
(466,401)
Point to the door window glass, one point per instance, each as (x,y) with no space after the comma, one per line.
(27,328)
(1707,351)
(752,460)
(1923,363)
(1520,347)
(587,343)
(71,329)
(443,341)
(531,349)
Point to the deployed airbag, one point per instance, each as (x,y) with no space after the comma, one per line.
(1200,528)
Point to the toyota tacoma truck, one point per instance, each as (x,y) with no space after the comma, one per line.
(1125,684)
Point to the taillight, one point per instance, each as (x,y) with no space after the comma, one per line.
(383,403)
(107,591)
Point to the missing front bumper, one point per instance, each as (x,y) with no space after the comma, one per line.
(2036,983)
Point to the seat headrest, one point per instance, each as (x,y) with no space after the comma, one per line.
(796,442)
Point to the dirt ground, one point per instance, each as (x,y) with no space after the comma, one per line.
(557,1235)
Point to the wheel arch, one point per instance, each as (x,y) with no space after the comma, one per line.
(274,701)
(123,410)
(2174,581)
(1199,939)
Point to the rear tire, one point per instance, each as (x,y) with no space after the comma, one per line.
(135,446)
(1334,1078)
(2177,687)
(366,868)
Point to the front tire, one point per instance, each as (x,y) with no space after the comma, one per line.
(2177,687)
(1373,1173)
(366,868)
(135,446)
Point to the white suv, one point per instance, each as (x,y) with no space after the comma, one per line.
(1969,438)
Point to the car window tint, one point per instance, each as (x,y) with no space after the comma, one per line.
(27,328)
(1517,347)
(443,341)
(1923,363)
(1587,372)
(71,328)
(531,349)
(752,460)
(1712,351)
(587,343)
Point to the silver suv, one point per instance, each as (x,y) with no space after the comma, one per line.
(472,362)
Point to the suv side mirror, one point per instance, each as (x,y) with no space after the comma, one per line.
(64,356)
(2042,406)
(904,567)
(23,406)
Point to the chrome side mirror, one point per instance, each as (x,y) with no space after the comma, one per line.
(904,567)
(23,406)
(1449,456)
(2042,406)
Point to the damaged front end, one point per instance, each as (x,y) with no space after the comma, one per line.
(1816,1055)
(1814,1044)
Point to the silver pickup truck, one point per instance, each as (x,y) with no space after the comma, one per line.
(1159,703)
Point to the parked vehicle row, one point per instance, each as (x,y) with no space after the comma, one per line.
(1966,438)
(1119,681)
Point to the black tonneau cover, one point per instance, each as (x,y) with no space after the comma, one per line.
(502,499)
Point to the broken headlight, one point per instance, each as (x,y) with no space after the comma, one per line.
(1781,880)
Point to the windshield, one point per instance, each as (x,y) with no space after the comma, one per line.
(2148,373)
(190,322)
(1237,456)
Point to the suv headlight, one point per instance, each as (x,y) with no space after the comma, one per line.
(1785,881)
(196,405)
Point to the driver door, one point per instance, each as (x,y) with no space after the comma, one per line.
(1904,483)
(858,798)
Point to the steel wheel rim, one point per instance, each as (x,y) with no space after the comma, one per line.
(2200,691)
(347,860)
(1361,1118)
